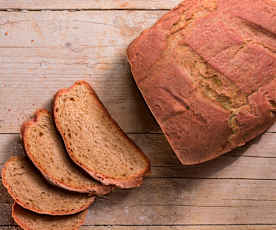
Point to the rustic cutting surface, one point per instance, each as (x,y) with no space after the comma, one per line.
(47,45)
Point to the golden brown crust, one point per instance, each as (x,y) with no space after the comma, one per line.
(26,227)
(135,180)
(97,190)
(31,208)
(202,70)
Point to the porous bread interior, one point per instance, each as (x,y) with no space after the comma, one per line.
(47,151)
(33,221)
(92,137)
(30,189)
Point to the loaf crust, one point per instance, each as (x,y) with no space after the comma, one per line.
(32,183)
(87,185)
(132,181)
(207,72)
(23,216)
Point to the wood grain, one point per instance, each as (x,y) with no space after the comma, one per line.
(178,201)
(185,227)
(188,192)
(174,195)
(256,160)
(43,51)
(88,4)
(89,45)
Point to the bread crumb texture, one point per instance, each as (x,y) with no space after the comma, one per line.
(46,150)
(29,189)
(94,140)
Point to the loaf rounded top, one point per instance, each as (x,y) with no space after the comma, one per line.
(207,72)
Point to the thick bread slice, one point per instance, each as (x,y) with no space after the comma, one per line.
(45,149)
(29,189)
(207,72)
(28,220)
(94,140)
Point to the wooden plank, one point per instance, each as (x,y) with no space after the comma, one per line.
(179,215)
(10,144)
(185,227)
(100,214)
(89,45)
(5,214)
(88,4)
(255,161)
(189,192)
(160,152)
(183,201)
(227,227)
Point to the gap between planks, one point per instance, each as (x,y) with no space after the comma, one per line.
(169,227)
(177,203)
(25,10)
(90,4)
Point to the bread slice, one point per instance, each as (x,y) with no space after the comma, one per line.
(29,189)
(45,149)
(28,220)
(93,139)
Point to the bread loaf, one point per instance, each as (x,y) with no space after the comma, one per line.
(28,220)
(46,150)
(93,139)
(207,72)
(31,191)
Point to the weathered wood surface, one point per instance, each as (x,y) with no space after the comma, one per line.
(88,45)
(182,201)
(256,160)
(185,227)
(237,188)
(88,4)
(43,51)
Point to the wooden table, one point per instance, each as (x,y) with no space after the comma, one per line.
(47,45)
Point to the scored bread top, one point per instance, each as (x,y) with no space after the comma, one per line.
(29,189)
(46,150)
(207,72)
(94,140)
(28,220)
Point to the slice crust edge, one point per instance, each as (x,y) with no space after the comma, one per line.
(29,207)
(97,190)
(133,181)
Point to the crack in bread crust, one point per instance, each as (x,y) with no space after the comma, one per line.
(226,54)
